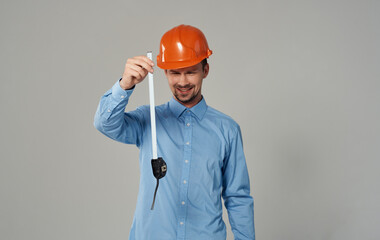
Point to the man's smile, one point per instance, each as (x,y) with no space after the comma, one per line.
(184,90)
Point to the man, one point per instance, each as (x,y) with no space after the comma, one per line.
(202,147)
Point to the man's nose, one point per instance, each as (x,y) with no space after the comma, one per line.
(183,79)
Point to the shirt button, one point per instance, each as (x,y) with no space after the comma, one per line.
(109,110)
(188,124)
(183,203)
(122,96)
(184,182)
(181,223)
(186,161)
(187,143)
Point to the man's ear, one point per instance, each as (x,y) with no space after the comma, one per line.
(206,70)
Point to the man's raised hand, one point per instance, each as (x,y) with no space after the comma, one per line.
(135,71)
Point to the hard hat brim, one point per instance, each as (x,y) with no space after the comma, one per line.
(180,64)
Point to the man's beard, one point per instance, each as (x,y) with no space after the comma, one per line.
(177,94)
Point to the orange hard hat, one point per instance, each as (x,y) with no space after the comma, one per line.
(182,46)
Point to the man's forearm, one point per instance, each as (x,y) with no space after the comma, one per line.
(109,116)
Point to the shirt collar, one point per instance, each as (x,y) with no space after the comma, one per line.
(177,108)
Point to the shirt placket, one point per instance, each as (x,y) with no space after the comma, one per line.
(188,129)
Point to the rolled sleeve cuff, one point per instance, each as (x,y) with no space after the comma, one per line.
(119,94)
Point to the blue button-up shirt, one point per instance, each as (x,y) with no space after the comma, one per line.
(203,150)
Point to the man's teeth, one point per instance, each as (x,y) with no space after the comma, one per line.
(184,89)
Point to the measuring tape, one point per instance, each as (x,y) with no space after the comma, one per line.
(158,164)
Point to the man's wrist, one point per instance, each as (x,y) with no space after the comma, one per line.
(124,87)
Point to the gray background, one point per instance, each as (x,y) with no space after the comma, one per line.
(300,77)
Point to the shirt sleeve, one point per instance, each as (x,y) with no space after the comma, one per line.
(112,120)
(236,191)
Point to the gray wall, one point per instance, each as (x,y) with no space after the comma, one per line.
(302,79)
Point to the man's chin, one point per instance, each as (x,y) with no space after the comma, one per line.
(184,99)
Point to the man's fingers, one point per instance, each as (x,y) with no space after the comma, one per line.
(143,72)
(136,69)
(136,75)
(145,59)
(144,62)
